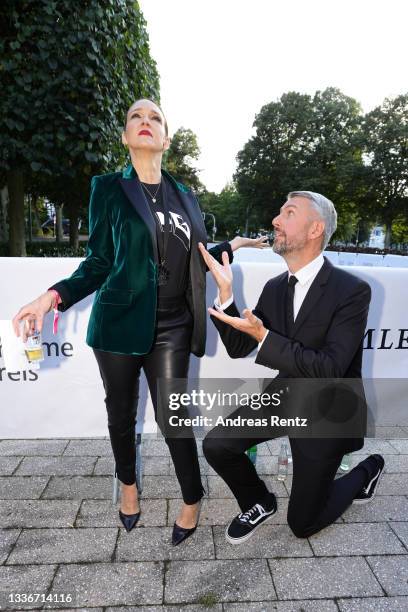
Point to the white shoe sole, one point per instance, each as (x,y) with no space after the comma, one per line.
(359,502)
(248,535)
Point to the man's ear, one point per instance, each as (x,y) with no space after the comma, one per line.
(317,229)
(124,140)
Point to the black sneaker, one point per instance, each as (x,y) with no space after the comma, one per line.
(243,526)
(369,490)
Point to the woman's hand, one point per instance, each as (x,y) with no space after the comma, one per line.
(256,243)
(222,273)
(33,314)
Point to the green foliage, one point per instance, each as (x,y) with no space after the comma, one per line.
(228,209)
(69,72)
(386,148)
(302,143)
(181,157)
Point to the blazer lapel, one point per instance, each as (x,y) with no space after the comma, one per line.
(133,190)
(278,321)
(315,292)
(193,211)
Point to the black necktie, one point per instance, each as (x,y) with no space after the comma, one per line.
(290,319)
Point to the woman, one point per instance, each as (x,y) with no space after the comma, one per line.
(149,308)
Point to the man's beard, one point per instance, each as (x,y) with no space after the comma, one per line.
(283,247)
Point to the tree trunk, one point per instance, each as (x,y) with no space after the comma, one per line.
(59,234)
(73,228)
(36,216)
(4,230)
(387,240)
(15,184)
(247,212)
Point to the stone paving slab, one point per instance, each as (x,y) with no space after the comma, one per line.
(89,447)
(205,468)
(381,508)
(356,539)
(8,465)
(396,463)
(242,580)
(374,604)
(175,608)
(38,513)
(268,541)
(392,573)
(324,578)
(389,432)
(154,544)
(401,446)
(157,487)
(78,487)
(401,529)
(8,538)
(306,605)
(22,487)
(218,488)
(101,513)
(56,466)
(42,447)
(23,580)
(111,584)
(374,446)
(393,484)
(151,465)
(221,511)
(157,447)
(63,546)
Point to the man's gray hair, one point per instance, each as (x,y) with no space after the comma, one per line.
(326,210)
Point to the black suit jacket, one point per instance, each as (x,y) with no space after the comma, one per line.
(327,338)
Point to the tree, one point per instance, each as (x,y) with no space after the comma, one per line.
(69,73)
(181,157)
(386,146)
(228,209)
(302,143)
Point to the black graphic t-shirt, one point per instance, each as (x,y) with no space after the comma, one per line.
(178,248)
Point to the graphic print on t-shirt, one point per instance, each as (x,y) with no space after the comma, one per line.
(178,227)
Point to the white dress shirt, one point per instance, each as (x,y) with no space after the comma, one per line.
(305,276)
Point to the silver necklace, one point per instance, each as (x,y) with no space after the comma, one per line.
(154,197)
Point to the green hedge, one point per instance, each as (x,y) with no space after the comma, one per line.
(43,249)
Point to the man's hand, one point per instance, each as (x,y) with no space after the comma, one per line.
(222,273)
(256,243)
(251,325)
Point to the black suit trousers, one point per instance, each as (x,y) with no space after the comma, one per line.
(316,498)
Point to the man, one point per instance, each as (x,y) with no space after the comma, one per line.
(308,323)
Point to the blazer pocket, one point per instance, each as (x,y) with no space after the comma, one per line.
(119,297)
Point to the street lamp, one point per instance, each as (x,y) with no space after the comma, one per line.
(214,229)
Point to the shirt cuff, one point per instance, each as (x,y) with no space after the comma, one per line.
(222,307)
(262,341)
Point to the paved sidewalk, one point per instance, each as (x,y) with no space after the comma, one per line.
(62,535)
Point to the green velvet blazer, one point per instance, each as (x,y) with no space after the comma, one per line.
(121,266)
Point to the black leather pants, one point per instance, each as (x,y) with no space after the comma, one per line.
(168,358)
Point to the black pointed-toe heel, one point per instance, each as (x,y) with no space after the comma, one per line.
(181,533)
(129,520)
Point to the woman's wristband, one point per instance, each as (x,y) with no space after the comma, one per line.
(57,300)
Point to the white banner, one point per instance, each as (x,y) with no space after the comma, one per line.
(65,398)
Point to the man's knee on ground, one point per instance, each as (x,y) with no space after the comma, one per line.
(300,528)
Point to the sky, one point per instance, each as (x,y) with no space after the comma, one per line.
(220,61)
